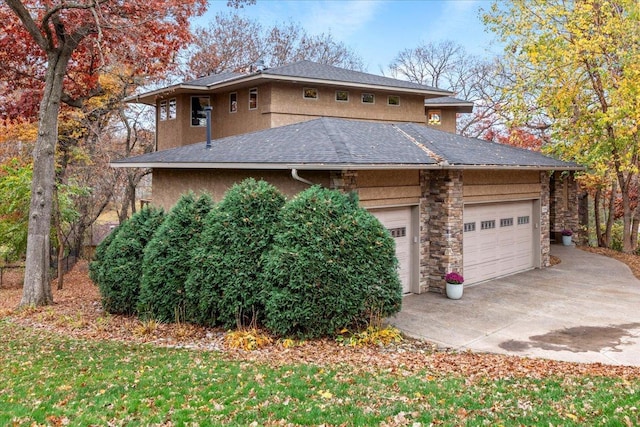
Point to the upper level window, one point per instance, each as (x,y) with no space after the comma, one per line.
(310,93)
(393,100)
(253,98)
(162,113)
(434,117)
(368,98)
(342,96)
(172,109)
(233,102)
(198,115)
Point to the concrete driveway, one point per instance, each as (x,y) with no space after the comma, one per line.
(585,309)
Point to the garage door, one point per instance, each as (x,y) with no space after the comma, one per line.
(498,240)
(398,222)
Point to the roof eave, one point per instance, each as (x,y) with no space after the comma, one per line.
(149,98)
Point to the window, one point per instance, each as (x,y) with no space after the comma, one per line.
(310,93)
(487,225)
(434,117)
(506,222)
(523,220)
(393,100)
(198,115)
(163,110)
(172,109)
(233,102)
(342,96)
(469,226)
(253,98)
(368,98)
(398,232)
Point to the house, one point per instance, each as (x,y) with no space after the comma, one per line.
(451,202)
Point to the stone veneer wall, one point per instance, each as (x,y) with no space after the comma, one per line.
(441,226)
(345,180)
(545,212)
(564,192)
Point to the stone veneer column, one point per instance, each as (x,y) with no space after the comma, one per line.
(565,204)
(441,226)
(344,180)
(544,219)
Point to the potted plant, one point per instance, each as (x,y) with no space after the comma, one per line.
(566,236)
(454,285)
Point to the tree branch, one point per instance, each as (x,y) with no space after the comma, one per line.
(28,22)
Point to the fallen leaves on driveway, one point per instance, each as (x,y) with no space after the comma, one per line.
(77,312)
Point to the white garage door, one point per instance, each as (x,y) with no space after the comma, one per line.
(498,240)
(398,222)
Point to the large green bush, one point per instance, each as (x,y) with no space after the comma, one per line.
(166,259)
(121,266)
(332,265)
(96,266)
(224,284)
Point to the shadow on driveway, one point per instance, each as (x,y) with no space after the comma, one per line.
(585,309)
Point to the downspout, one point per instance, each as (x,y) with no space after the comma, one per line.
(294,175)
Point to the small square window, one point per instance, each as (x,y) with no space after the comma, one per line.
(522,220)
(469,226)
(310,93)
(487,225)
(368,98)
(233,102)
(342,96)
(253,98)
(393,100)
(163,110)
(506,222)
(198,114)
(434,117)
(172,109)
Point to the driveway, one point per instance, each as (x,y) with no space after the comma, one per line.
(585,309)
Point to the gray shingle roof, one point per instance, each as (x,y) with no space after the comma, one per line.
(212,79)
(336,143)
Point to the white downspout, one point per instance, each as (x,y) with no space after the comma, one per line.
(294,175)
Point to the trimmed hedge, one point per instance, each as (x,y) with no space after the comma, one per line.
(333,265)
(166,259)
(121,269)
(224,285)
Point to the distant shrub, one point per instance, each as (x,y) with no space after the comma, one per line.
(166,259)
(119,281)
(332,265)
(225,284)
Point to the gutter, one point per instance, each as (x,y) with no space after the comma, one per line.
(294,175)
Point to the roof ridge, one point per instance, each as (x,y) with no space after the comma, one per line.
(420,145)
(336,137)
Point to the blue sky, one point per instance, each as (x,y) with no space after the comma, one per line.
(378,29)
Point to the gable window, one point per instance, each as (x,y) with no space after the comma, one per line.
(368,98)
(253,98)
(434,117)
(172,109)
(198,115)
(163,110)
(233,102)
(310,93)
(342,96)
(393,100)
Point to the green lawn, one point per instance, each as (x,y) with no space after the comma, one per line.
(47,379)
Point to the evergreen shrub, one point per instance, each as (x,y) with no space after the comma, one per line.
(97,263)
(332,265)
(166,259)
(122,262)
(225,284)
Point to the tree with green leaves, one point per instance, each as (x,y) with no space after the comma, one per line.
(15,181)
(167,258)
(575,68)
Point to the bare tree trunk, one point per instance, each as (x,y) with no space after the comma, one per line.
(596,215)
(37,288)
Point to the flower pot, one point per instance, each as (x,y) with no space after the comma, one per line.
(566,240)
(454,290)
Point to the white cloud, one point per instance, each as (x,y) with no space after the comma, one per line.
(341,18)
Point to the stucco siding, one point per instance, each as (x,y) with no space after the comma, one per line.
(169,184)
(496,185)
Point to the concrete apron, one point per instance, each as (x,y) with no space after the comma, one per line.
(585,309)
